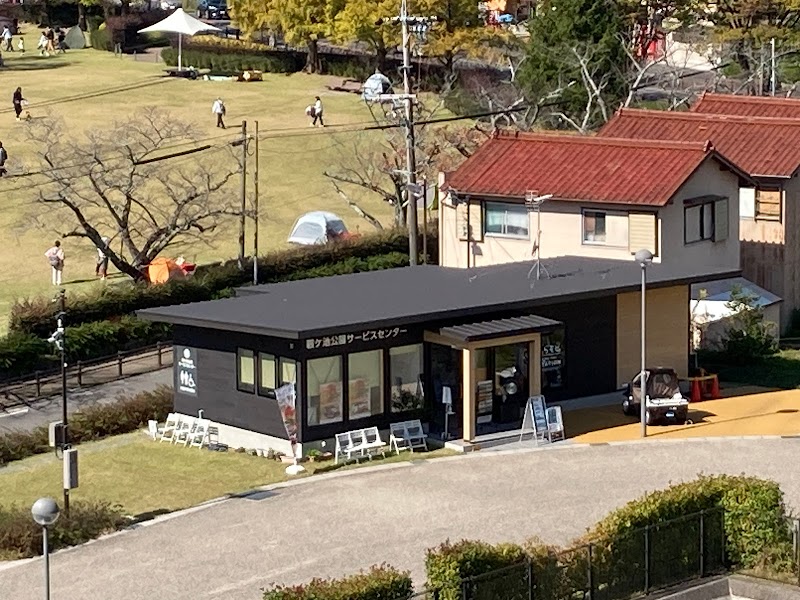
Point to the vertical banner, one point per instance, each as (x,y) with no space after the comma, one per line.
(286,402)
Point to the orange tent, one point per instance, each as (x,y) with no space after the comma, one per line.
(161,270)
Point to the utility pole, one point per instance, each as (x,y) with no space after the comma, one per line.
(60,340)
(255,215)
(421,25)
(772,78)
(243,213)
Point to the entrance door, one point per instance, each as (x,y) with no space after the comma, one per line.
(446,372)
(500,405)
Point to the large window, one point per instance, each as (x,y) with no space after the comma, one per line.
(506,219)
(706,220)
(245,370)
(288,371)
(324,390)
(605,228)
(405,372)
(365,385)
(768,204)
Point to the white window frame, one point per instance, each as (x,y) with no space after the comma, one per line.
(504,234)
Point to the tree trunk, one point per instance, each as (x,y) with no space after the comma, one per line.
(312,59)
(380,57)
(81,16)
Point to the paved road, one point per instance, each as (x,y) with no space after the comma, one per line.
(46,410)
(336,524)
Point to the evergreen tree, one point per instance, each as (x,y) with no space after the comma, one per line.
(576,60)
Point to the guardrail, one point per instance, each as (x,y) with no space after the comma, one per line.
(24,390)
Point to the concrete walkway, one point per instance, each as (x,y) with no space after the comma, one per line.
(336,524)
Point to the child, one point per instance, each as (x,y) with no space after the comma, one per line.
(21,45)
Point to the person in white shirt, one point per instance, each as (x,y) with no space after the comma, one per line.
(218,108)
(317,112)
(101,268)
(55,257)
(8,39)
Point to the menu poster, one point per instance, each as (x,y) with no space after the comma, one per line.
(485,399)
(359,399)
(539,413)
(330,402)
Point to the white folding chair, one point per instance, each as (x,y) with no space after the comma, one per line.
(186,428)
(170,427)
(397,437)
(373,442)
(199,435)
(154,429)
(415,435)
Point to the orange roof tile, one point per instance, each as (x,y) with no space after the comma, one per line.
(593,169)
(748,106)
(761,146)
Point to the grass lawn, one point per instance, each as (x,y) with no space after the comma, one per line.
(144,476)
(291,167)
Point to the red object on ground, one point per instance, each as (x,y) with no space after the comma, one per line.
(696,395)
(715,388)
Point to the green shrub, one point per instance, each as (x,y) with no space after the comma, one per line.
(21,537)
(103,338)
(754,514)
(100,39)
(379,583)
(22,353)
(448,564)
(233,61)
(126,414)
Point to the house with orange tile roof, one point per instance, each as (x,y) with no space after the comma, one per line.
(747,106)
(766,149)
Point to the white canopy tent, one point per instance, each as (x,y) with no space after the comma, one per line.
(182,24)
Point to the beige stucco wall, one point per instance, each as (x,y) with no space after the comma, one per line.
(562,231)
(667,331)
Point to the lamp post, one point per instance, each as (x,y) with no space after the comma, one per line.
(644,258)
(45,513)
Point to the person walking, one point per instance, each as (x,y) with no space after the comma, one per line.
(3,159)
(21,45)
(218,108)
(317,112)
(55,256)
(42,45)
(8,39)
(62,44)
(51,37)
(18,100)
(101,268)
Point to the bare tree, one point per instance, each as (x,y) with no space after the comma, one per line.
(378,166)
(108,185)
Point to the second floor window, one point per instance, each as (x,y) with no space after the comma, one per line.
(706,221)
(506,219)
(594,226)
(768,204)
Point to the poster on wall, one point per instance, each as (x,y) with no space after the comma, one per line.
(330,402)
(359,399)
(186,370)
(553,360)
(286,402)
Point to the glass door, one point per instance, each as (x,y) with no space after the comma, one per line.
(503,386)
(446,374)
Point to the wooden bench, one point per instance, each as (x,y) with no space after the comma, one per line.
(359,443)
(407,435)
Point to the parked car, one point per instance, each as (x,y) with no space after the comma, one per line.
(665,401)
(212,9)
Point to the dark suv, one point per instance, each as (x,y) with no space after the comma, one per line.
(212,9)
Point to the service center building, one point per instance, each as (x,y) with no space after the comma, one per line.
(369,349)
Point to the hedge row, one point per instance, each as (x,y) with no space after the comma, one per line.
(22,353)
(127,414)
(379,583)
(37,315)
(748,511)
(21,537)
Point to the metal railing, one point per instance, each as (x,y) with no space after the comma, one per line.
(23,391)
(634,565)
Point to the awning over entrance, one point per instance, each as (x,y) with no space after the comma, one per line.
(487,330)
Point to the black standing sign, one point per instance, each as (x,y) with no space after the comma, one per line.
(186,370)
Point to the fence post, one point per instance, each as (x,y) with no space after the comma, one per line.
(647,559)
(590,573)
(80,374)
(531,594)
(119,363)
(464,588)
(722,533)
(38,385)
(158,349)
(702,545)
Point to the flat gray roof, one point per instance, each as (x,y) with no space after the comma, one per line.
(416,295)
(487,330)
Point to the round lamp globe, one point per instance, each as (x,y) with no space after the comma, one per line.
(45,511)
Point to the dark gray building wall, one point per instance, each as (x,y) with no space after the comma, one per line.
(216,394)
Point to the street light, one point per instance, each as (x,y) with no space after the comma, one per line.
(45,513)
(645,258)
